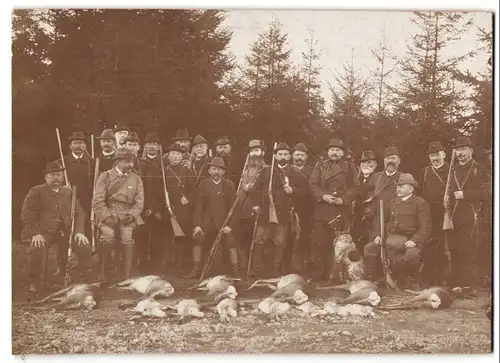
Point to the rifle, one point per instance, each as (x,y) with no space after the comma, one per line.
(273,218)
(67,274)
(447,221)
(175,225)
(252,246)
(383,251)
(92,145)
(215,245)
(68,185)
(92,214)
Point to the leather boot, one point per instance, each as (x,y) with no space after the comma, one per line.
(243,260)
(104,258)
(196,271)
(257,266)
(233,257)
(278,260)
(128,259)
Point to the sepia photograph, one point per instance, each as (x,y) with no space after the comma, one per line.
(190,180)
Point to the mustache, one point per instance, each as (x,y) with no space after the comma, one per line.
(393,163)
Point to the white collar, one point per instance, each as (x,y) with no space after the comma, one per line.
(407,197)
(438,167)
(213,181)
(151,157)
(119,171)
(107,154)
(282,167)
(55,190)
(386,173)
(77,157)
(300,167)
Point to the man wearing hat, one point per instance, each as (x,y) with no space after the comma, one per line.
(364,221)
(305,209)
(199,159)
(151,233)
(118,203)
(107,141)
(384,188)
(288,186)
(46,218)
(214,199)
(432,186)
(176,252)
(470,188)
(408,229)
(223,148)
(121,133)
(333,185)
(184,141)
(133,143)
(255,164)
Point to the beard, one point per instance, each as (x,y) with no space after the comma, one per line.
(282,162)
(367,170)
(255,160)
(299,162)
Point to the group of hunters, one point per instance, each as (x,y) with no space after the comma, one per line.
(160,212)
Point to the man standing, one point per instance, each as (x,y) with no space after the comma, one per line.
(363,220)
(199,164)
(432,186)
(118,203)
(121,133)
(180,187)
(333,185)
(408,229)
(223,148)
(133,143)
(107,140)
(151,233)
(184,141)
(288,186)
(214,199)
(305,209)
(384,188)
(469,187)
(256,151)
(46,217)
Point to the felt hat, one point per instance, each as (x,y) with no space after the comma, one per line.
(462,141)
(107,134)
(218,162)
(254,144)
(132,137)
(368,155)
(76,136)
(198,139)
(123,153)
(301,147)
(52,167)
(181,135)
(406,178)
(222,140)
(282,146)
(119,128)
(334,142)
(175,147)
(151,137)
(391,150)
(434,147)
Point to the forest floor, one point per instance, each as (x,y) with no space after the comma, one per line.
(463,328)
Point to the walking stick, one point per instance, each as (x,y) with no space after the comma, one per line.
(252,245)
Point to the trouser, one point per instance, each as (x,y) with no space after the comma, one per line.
(174,254)
(296,258)
(278,233)
(107,240)
(405,262)
(464,263)
(60,239)
(153,239)
(246,235)
(434,260)
(322,238)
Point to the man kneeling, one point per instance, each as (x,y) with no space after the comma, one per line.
(408,229)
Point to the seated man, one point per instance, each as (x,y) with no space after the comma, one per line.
(408,229)
(46,216)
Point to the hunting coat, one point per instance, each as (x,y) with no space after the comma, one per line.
(432,186)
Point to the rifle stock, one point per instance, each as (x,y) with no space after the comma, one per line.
(92,214)
(447,221)
(273,218)
(383,251)
(67,274)
(178,232)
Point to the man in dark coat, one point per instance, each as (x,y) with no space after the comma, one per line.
(288,186)
(151,235)
(181,195)
(184,141)
(214,199)
(305,209)
(200,160)
(384,188)
(121,133)
(256,152)
(46,218)
(432,186)
(107,141)
(363,222)
(408,225)
(133,143)
(333,185)
(469,188)
(223,148)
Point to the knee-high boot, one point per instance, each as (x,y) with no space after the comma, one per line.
(233,257)
(104,258)
(195,272)
(128,258)
(278,259)
(257,260)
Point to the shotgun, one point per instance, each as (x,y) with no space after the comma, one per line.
(92,214)
(68,185)
(92,145)
(383,251)
(175,225)
(67,274)
(447,220)
(273,218)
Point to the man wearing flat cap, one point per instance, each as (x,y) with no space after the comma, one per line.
(432,186)
(470,188)
(288,186)
(118,203)
(46,218)
(214,199)
(333,185)
(384,186)
(107,141)
(408,229)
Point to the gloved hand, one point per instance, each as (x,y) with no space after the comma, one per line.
(129,218)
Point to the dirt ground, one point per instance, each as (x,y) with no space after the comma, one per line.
(463,328)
